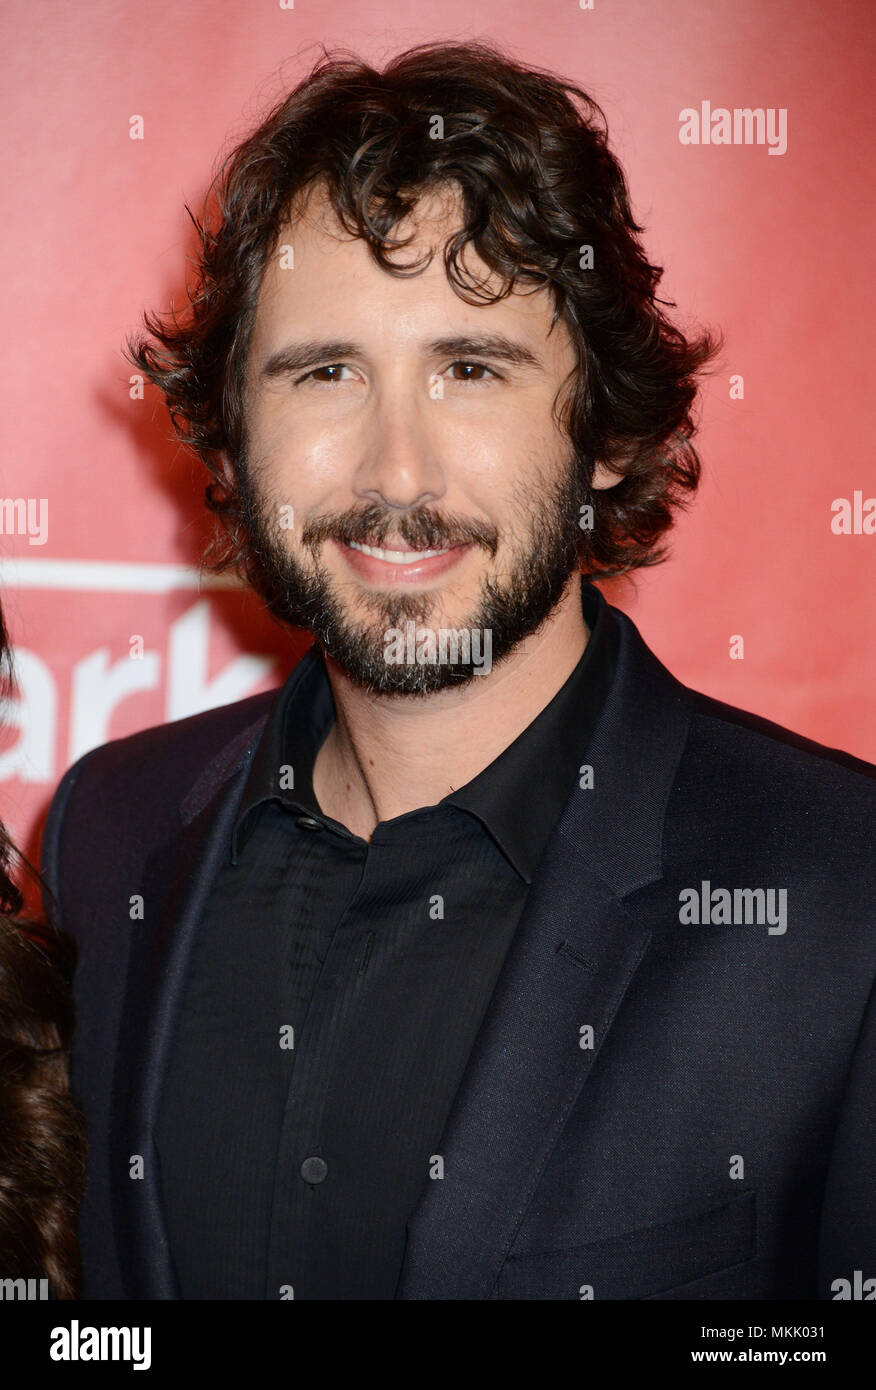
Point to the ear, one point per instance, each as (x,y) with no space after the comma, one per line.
(604,477)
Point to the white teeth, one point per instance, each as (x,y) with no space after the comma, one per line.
(396,557)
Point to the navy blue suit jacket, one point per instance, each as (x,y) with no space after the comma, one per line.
(653,1108)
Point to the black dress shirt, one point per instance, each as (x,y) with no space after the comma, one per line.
(334,996)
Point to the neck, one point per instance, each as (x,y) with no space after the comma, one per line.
(385,756)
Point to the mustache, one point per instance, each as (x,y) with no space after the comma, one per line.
(420,528)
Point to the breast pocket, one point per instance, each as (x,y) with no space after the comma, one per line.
(639,1263)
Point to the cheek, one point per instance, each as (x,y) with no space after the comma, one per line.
(310,460)
(507,451)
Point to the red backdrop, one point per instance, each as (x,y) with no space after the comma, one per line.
(772,244)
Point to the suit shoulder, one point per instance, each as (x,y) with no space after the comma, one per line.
(756,739)
(129,794)
(756,805)
(183,744)
(747,784)
(146,775)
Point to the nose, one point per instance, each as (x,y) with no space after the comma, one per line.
(400,464)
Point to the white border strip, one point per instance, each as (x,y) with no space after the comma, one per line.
(108,576)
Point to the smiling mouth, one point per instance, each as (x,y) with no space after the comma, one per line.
(397,557)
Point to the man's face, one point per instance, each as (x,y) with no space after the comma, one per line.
(385,413)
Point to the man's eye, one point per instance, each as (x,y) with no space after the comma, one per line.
(468,367)
(329,380)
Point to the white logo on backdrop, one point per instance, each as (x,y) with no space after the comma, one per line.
(98,685)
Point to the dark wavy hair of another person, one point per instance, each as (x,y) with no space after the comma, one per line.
(528,154)
(42,1132)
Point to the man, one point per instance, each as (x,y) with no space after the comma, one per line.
(484,960)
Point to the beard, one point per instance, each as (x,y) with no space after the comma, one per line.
(542,554)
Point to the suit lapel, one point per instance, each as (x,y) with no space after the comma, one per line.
(573,956)
(176,883)
(569,966)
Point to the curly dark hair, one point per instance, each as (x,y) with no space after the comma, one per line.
(528,153)
(42,1132)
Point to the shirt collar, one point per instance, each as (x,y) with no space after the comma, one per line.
(282,767)
(518,798)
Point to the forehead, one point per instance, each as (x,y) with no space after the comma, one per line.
(437,213)
(319,278)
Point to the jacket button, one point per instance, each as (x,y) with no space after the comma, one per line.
(314,1170)
(308,823)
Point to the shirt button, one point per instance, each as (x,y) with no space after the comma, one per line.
(314,1170)
(308,823)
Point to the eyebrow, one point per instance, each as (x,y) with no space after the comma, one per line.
(315,352)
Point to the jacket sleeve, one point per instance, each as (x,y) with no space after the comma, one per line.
(74,834)
(848,1220)
(50,856)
